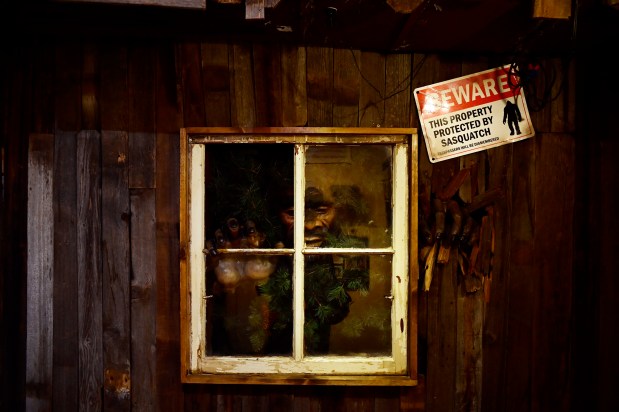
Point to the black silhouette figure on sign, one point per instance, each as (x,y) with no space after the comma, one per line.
(512,115)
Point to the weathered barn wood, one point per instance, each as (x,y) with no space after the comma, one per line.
(105,325)
(40,281)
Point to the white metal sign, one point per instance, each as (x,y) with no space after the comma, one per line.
(473,113)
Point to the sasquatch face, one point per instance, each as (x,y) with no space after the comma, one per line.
(319,217)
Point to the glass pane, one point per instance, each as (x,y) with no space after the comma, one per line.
(348,196)
(248,187)
(252,317)
(348,305)
(249,297)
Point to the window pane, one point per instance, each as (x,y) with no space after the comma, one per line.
(348,196)
(347,305)
(253,317)
(248,183)
(248,199)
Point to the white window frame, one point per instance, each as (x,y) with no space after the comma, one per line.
(398,369)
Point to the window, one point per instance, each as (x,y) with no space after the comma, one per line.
(297,260)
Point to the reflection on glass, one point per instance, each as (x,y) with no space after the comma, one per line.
(249,188)
(249,205)
(347,305)
(348,196)
(251,315)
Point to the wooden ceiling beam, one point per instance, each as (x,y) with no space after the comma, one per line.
(552,9)
(184,4)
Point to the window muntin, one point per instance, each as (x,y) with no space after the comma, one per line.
(341,298)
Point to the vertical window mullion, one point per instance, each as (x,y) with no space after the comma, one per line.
(299,243)
(196,246)
(400,266)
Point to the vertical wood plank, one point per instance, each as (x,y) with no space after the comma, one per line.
(43,88)
(523,278)
(387,399)
(346,82)
(40,264)
(143,299)
(372,90)
(113,87)
(189,66)
(319,79)
(294,86)
(423,72)
(243,105)
(141,67)
(89,276)
(554,211)
(67,95)
(398,108)
(115,270)
(279,400)
(269,75)
(216,78)
(307,399)
(141,85)
(495,328)
(65,346)
(68,101)
(168,390)
(90,88)
(563,107)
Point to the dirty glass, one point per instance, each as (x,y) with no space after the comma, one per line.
(250,218)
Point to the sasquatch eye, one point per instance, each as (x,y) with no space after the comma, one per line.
(233,223)
(321,210)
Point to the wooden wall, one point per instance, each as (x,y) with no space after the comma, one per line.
(90,221)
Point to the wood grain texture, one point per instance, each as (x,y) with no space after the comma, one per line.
(90,114)
(67,96)
(43,88)
(496,328)
(528,340)
(554,211)
(319,79)
(563,108)
(398,104)
(40,275)
(269,75)
(346,82)
(189,77)
(89,271)
(65,345)
(112,67)
(143,299)
(168,391)
(115,248)
(242,100)
(523,278)
(141,89)
(294,86)
(372,90)
(216,77)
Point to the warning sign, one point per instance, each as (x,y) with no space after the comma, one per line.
(473,113)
